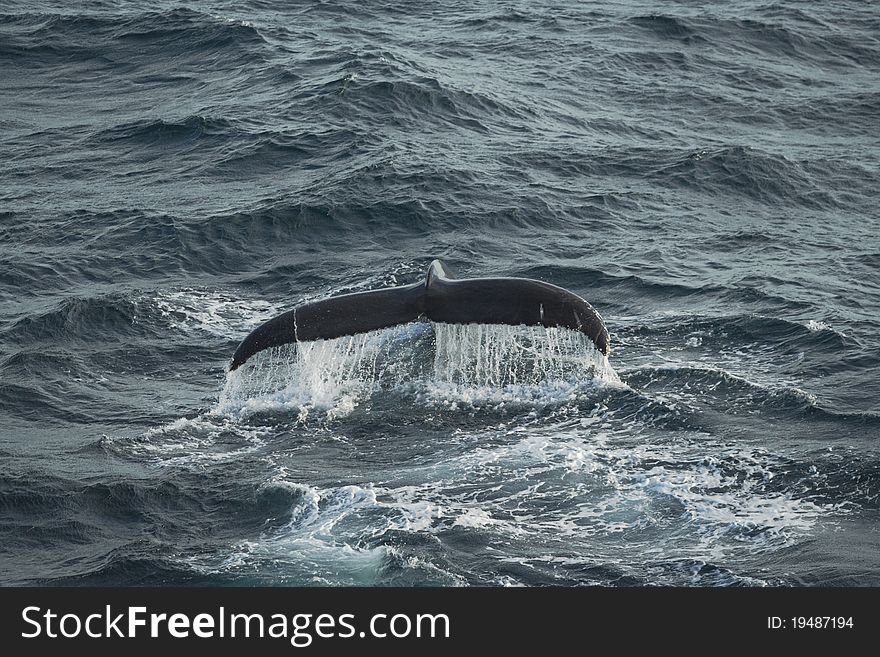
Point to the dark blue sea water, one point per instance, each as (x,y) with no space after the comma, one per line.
(705,174)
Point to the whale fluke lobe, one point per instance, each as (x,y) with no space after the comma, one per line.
(440,298)
(334,317)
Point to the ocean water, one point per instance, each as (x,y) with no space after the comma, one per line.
(706,175)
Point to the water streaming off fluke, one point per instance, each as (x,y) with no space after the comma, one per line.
(333,374)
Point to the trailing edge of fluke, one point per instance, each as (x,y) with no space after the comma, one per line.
(440,298)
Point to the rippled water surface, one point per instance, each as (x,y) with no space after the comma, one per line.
(174,173)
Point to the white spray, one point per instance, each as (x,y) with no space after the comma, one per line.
(334,375)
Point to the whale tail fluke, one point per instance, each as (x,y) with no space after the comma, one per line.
(440,298)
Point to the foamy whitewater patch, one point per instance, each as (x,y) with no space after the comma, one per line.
(211,311)
(572,481)
(817,326)
(446,364)
(568,486)
(403,273)
(333,537)
(190,442)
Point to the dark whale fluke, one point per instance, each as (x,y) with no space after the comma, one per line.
(440,298)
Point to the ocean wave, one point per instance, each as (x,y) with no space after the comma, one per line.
(111,334)
(425,99)
(97,36)
(271,152)
(668,27)
(80,319)
(312,547)
(164,134)
(30,402)
(854,112)
(747,171)
(748,332)
(505,16)
(736,170)
(788,32)
(381,532)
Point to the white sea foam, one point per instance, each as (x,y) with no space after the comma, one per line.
(211,311)
(560,484)
(191,442)
(564,486)
(309,543)
(818,326)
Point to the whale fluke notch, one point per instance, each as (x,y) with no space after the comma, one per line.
(440,298)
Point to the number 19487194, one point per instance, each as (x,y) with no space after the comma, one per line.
(810,622)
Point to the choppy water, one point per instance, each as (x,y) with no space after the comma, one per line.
(174,173)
